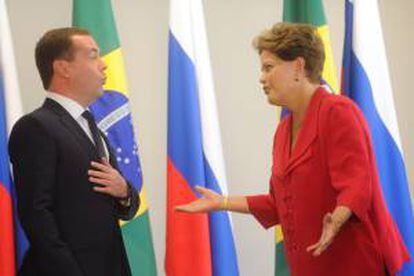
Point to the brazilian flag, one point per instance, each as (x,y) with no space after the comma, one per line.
(113,115)
(310,12)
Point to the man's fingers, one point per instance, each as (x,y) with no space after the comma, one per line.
(105,161)
(99,181)
(101,167)
(103,190)
(98,174)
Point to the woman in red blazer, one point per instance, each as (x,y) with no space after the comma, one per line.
(324,188)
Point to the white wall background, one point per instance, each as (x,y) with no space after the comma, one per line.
(247,121)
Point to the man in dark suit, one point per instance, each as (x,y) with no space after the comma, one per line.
(70,193)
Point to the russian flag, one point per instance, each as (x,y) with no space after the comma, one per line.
(197,244)
(7,259)
(12,241)
(366,80)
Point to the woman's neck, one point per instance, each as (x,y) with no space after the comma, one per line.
(302,101)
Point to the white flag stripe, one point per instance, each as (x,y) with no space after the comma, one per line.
(189,30)
(208,108)
(12,92)
(373,60)
(181,25)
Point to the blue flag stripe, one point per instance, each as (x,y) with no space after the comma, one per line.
(389,159)
(185,149)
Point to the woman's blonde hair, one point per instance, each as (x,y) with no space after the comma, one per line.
(291,40)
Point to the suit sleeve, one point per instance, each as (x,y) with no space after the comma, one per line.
(347,148)
(128,212)
(34,157)
(263,208)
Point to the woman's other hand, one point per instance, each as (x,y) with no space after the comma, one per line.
(332,223)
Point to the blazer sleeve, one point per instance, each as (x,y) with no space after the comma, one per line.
(124,212)
(34,157)
(128,212)
(347,151)
(263,208)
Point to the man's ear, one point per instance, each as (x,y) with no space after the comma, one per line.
(61,68)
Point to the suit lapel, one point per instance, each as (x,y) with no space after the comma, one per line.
(281,150)
(306,135)
(72,125)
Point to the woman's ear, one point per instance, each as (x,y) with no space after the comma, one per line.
(300,66)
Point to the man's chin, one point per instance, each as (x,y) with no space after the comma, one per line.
(100,92)
(97,94)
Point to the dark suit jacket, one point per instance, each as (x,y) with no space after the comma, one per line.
(72,229)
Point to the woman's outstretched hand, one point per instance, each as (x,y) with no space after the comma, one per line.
(210,201)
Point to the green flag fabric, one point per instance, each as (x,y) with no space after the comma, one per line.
(113,117)
(310,12)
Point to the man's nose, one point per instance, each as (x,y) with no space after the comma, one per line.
(103,65)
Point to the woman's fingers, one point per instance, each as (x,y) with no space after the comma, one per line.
(201,190)
(317,248)
(192,207)
(312,247)
(182,208)
(205,192)
(324,244)
(327,219)
(198,206)
(320,248)
(325,239)
(206,203)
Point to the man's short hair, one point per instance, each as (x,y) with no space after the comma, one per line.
(55,44)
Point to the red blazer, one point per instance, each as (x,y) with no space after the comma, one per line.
(332,164)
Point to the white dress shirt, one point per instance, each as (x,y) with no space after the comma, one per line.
(75,110)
